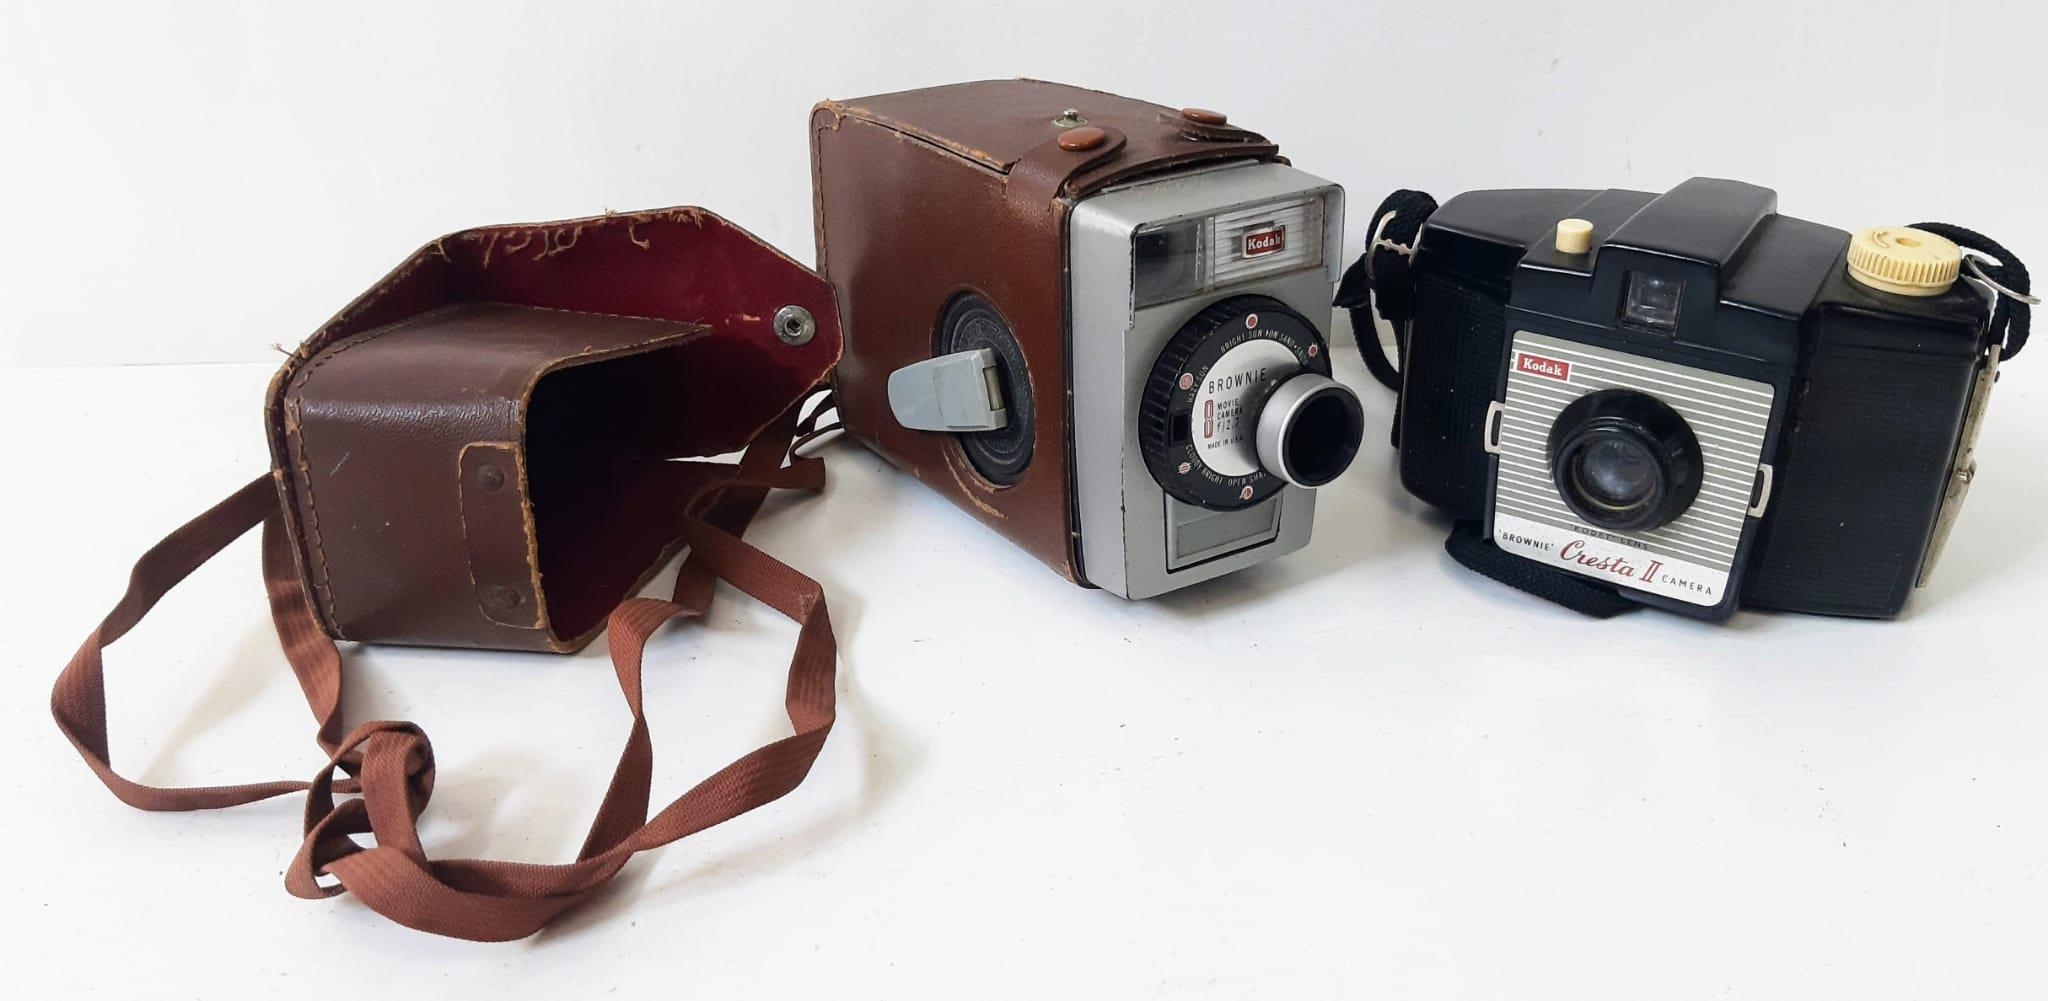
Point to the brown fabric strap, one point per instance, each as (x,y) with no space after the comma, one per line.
(388,767)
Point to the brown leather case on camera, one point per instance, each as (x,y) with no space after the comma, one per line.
(488,449)
(926,194)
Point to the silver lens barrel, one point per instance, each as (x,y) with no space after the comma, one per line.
(1309,430)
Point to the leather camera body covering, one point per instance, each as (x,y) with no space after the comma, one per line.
(475,452)
(929,199)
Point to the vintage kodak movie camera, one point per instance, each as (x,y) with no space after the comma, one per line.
(1695,400)
(1094,323)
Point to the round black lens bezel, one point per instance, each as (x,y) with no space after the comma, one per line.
(1169,396)
(1645,422)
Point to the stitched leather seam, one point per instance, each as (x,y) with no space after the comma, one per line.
(307,358)
(294,430)
(304,461)
(818,187)
(685,331)
(701,325)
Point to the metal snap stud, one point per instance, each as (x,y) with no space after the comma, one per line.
(795,325)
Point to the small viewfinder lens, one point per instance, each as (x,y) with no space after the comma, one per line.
(1167,262)
(1653,300)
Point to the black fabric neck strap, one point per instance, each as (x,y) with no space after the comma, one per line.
(1380,278)
(1469,545)
(1985,260)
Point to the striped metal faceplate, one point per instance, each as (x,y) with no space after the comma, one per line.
(1689,559)
(1298,220)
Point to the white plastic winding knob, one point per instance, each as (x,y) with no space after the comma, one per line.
(1904,261)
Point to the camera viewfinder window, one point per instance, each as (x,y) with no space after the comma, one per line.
(1167,262)
(1653,300)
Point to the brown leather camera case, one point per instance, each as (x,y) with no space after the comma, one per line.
(473,453)
(926,194)
(482,451)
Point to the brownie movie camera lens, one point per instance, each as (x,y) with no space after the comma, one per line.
(1309,430)
(1241,403)
(1623,460)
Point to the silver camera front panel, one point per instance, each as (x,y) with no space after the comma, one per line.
(1135,540)
(1689,559)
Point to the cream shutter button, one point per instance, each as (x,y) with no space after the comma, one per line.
(1574,236)
(1904,261)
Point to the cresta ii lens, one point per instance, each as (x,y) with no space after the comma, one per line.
(1624,461)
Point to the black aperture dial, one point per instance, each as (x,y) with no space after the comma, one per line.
(1198,417)
(1623,460)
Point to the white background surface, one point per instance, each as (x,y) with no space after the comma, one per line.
(1356,772)
(196,181)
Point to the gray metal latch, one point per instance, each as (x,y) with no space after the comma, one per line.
(955,392)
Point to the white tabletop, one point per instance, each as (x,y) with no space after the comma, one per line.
(1359,771)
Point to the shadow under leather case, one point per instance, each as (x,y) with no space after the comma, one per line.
(475,452)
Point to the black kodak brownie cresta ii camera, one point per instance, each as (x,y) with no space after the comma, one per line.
(1694,400)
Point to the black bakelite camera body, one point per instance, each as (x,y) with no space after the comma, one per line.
(1693,399)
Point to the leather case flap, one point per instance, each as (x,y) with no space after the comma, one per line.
(477,451)
(999,123)
(925,194)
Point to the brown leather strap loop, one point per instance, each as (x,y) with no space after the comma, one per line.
(1037,179)
(1209,131)
(79,699)
(393,762)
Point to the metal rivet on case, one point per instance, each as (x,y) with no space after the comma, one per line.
(1086,137)
(1203,116)
(795,325)
(503,597)
(490,478)
(1070,118)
